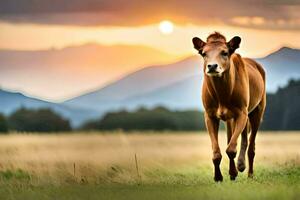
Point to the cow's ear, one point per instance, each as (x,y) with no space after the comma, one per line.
(234,44)
(198,44)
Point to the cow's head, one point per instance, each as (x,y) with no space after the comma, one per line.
(216,52)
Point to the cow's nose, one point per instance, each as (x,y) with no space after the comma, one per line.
(212,67)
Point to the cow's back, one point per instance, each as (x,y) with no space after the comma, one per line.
(257,84)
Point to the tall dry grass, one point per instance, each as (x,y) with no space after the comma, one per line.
(103,154)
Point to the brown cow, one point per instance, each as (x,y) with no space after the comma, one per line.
(233,91)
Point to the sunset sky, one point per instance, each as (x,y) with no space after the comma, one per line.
(263,25)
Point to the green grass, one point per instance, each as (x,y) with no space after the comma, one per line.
(281,182)
(171,166)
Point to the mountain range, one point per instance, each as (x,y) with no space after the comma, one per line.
(280,66)
(77,68)
(176,86)
(138,84)
(11,101)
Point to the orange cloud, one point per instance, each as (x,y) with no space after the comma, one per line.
(137,13)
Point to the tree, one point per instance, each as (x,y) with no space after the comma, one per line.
(41,120)
(3,124)
(283,108)
(142,119)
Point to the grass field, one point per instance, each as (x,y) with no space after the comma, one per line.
(170,166)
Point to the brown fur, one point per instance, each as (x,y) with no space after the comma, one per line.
(237,95)
(216,37)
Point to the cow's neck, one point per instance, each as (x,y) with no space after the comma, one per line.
(222,87)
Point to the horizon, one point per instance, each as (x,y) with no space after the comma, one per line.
(150,33)
(92,43)
(91,90)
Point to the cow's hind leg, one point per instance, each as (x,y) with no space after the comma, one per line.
(255,118)
(244,143)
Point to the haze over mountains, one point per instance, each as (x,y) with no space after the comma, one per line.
(76,68)
(176,86)
(11,101)
(142,82)
(280,66)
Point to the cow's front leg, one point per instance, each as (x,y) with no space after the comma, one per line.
(212,125)
(240,123)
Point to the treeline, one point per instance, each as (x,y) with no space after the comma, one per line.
(283,108)
(282,113)
(31,120)
(153,119)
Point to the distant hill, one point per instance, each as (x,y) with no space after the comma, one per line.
(184,94)
(176,86)
(281,66)
(144,81)
(77,68)
(11,101)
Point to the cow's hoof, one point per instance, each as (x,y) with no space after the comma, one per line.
(241,165)
(218,178)
(233,173)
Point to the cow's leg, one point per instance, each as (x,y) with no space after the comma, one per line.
(239,125)
(230,128)
(255,118)
(244,143)
(212,125)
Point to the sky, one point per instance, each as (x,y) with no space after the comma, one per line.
(263,25)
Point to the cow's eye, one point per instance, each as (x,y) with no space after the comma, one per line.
(203,54)
(224,53)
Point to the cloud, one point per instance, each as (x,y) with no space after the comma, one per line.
(269,14)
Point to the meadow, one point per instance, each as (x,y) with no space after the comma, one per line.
(142,165)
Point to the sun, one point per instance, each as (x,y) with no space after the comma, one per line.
(166,27)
